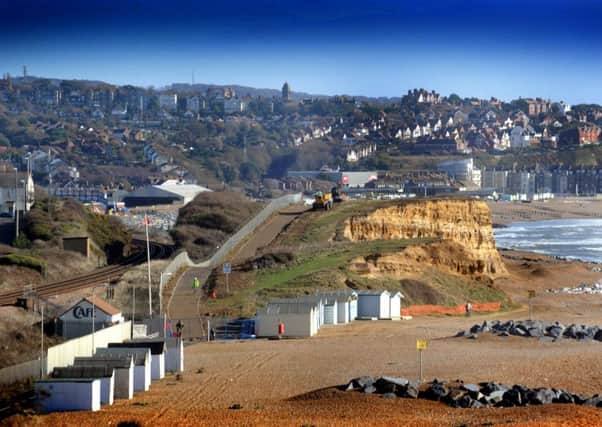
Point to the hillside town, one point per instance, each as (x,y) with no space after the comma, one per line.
(98,142)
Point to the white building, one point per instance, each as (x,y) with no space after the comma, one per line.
(168,102)
(519,138)
(22,185)
(234,105)
(77,320)
(195,104)
(462,170)
(187,191)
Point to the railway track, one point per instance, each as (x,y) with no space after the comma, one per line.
(96,277)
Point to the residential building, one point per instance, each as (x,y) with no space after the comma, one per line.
(17,187)
(537,106)
(234,105)
(168,102)
(462,170)
(589,135)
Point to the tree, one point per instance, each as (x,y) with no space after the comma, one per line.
(4,142)
(249,172)
(454,99)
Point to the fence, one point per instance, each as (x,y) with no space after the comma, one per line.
(198,328)
(19,372)
(250,226)
(63,354)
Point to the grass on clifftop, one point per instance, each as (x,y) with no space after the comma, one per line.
(315,269)
(320,226)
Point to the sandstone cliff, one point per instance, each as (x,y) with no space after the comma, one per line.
(463,227)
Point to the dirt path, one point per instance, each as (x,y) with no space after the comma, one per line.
(186,302)
(267,232)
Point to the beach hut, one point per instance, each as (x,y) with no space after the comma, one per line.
(105,374)
(395,305)
(300,318)
(346,305)
(142,364)
(174,358)
(68,394)
(124,372)
(374,305)
(157,350)
(330,310)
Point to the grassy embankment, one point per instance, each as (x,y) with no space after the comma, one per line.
(322,258)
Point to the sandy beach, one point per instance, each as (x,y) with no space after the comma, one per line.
(561,208)
(290,382)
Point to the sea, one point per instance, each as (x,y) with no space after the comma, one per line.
(565,238)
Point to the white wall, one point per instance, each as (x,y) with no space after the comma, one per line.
(107,388)
(63,354)
(140,378)
(158,366)
(343,312)
(174,358)
(385,306)
(395,307)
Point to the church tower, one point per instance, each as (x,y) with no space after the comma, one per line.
(286,92)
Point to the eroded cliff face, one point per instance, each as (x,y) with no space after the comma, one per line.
(464,228)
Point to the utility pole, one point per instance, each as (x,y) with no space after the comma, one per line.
(42,341)
(93,320)
(16,203)
(150,302)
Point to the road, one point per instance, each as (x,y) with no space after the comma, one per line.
(186,302)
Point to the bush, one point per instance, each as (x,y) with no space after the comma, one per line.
(22,242)
(23,261)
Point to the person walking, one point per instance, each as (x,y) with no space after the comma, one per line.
(179,327)
(468,309)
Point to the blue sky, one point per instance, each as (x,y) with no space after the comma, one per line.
(482,48)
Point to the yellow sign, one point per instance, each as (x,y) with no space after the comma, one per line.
(421,345)
(531,293)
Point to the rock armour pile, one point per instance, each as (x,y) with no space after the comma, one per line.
(458,394)
(535,329)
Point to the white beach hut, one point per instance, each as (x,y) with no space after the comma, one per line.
(374,305)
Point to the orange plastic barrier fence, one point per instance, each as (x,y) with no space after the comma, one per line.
(425,310)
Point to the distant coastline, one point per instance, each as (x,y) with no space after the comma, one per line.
(506,213)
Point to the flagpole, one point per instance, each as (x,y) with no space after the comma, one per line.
(150,303)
